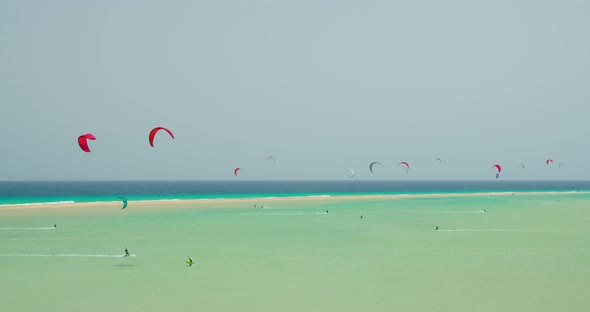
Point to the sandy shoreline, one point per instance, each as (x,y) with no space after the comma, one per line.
(211,202)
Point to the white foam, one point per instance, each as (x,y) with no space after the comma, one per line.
(42,203)
(155,200)
(91,202)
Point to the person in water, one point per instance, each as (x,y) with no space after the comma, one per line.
(126,253)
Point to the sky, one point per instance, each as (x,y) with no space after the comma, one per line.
(323,86)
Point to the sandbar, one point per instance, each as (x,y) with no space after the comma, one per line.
(266,201)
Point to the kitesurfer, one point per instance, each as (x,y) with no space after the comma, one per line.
(190,261)
(126,253)
(499,168)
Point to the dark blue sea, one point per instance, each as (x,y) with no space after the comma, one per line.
(25,192)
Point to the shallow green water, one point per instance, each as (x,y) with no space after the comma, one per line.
(526,253)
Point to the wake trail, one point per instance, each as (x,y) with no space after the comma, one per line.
(67,255)
(28,228)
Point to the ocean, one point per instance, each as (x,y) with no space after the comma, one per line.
(309,252)
(48,192)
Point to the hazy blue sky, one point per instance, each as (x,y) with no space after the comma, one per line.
(321,85)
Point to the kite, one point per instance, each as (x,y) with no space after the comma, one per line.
(372,164)
(548,161)
(405,164)
(352,172)
(155,130)
(124,202)
(499,170)
(82,141)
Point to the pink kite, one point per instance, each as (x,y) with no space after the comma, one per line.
(499,170)
(497,167)
(236,171)
(548,161)
(155,130)
(82,141)
(406,164)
